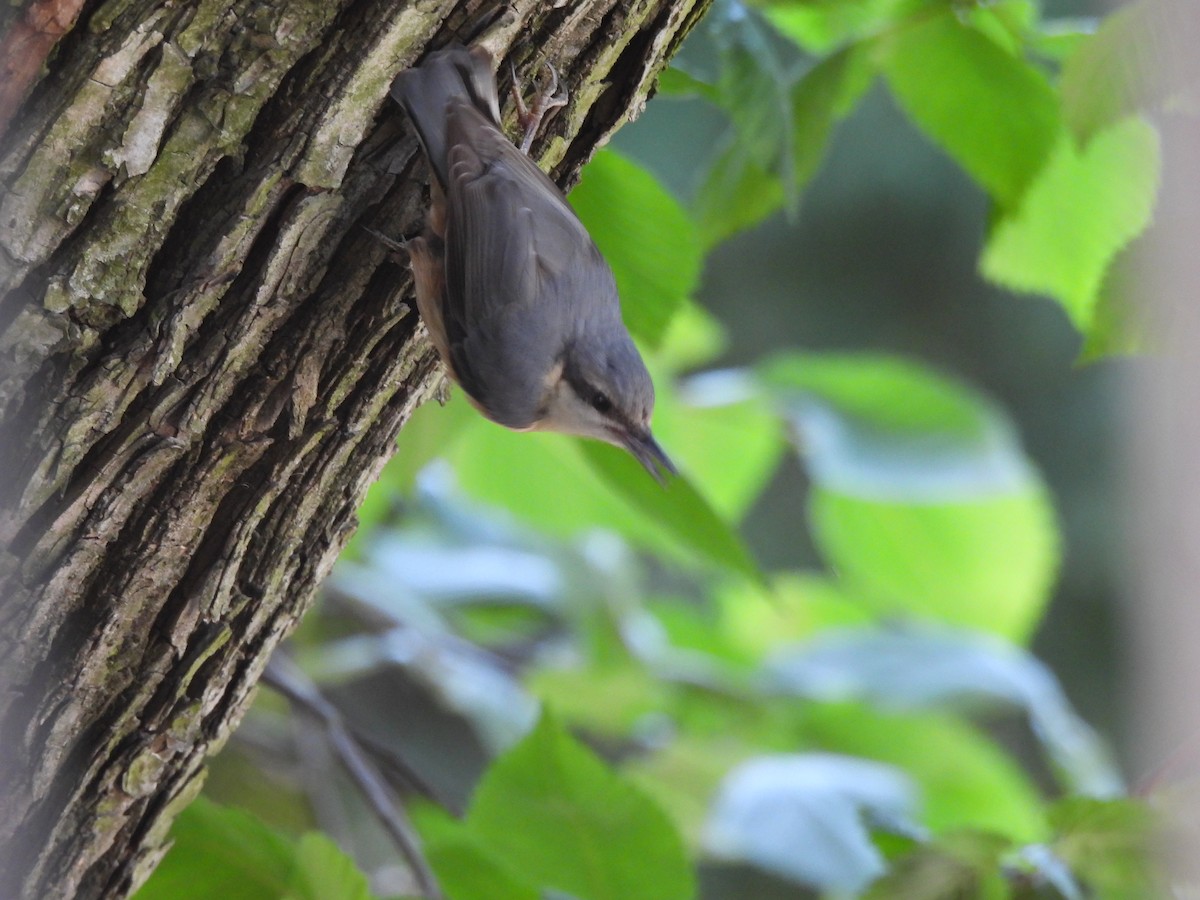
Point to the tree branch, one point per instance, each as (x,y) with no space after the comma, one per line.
(286,678)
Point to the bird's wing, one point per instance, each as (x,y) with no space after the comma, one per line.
(510,238)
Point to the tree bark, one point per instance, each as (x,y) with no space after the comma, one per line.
(206,360)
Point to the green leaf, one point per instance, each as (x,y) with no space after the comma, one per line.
(1116,328)
(1141,56)
(467,871)
(1007,23)
(886,392)
(324,872)
(611,490)
(729,445)
(1058,39)
(676,82)
(968,783)
(996,115)
(920,667)
(1084,207)
(826,94)
(540,469)
(694,339)
(735,194)
(223,852)
(883,428)
(924,502)
(606,700)
(554,812)
(677,506)
(799,604)
(645,235)
(748,179)
(822,25)
(987,563)
(752,89)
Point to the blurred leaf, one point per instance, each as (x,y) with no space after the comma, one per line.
(324,872)
(1116,329)
(1084,207)
(760,167)
(966,864)
(806,817)
(540,469)
(918,667)
(694,337)
(687,770)
(646,237)
(676,505)
(702,632)
(887,392)
(753,623)
(988,563)
(1141,55)
(883,428)
(820,25)
(609,489)
(827,93)
(751,173)
(1007,23)
(752,88)
(940,70)
(471,695)
(736,193)
(676,82)
(1057,39)
(924,502)
(401,568)
(466,871)
(606,700)
(968,783)
(552,811)
(1108,843)
(223,852)
(429,433)
(729,449)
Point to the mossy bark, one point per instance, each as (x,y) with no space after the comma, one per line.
(205,361)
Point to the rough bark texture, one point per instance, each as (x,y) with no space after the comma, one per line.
(206,360)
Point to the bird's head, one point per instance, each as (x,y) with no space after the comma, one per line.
(602,390)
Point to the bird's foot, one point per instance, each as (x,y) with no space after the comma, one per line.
(548,98)
(396,246)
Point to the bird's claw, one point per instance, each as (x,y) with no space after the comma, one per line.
(396,246)
(548,98)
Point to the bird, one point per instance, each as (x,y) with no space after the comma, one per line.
(518,301)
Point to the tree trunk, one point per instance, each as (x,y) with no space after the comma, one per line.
(206,360)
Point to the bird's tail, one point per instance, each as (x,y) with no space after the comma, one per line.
(425,92)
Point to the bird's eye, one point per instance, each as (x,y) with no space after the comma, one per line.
(600,402)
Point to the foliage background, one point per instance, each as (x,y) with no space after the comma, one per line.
(814,664)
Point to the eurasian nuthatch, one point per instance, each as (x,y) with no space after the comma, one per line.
(519,303)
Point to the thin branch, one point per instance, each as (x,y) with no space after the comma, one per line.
(283,676)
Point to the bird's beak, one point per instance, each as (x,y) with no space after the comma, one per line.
(646,451)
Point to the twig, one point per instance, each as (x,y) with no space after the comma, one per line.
(283,676)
